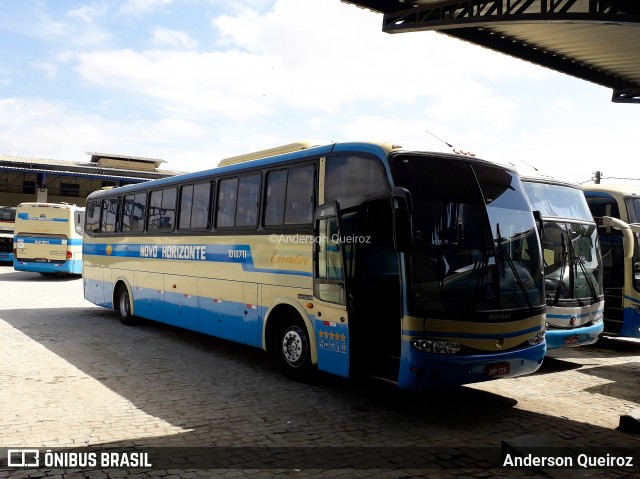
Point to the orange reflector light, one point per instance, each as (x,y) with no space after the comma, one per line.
(69,255)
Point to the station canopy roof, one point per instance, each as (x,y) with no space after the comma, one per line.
(594,40)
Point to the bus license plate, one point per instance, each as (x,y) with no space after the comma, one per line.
(497,369)
(41,260)
(572,340)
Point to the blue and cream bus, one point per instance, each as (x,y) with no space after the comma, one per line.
(48,238)
(620,253)
(572,261)
(423,269)
(7,221)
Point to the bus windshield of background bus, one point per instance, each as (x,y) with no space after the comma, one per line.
(558,201)
(475,242)
(572,262)
(633,207)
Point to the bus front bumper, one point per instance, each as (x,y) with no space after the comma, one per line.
(420,370)
(581,336)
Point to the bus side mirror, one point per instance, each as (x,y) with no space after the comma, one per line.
(402,207)
(627,234)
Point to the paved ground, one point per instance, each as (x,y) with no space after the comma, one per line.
(72,376)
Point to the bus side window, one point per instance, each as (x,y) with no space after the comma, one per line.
(290,196)
(79,222)
(227,196)
(133,214)
(247,204)
(92,217)
(351,179)
(110,208)
(186,205)
(275,197)
(300,196)
(195,202)
(162,209)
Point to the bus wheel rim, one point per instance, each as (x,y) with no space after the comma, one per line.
(124,304)
(294,345)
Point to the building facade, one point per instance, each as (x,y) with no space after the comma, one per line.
(44,180)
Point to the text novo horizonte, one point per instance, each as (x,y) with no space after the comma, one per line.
(198,252)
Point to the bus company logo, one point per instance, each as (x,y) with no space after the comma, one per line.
(499,342)
(23,458)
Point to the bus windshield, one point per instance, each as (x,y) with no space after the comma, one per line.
(558,201)
(475,242)
(570,245)
(633,207)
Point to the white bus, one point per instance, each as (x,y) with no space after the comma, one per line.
(48,238)
(572,261)
(7,220)
(418,268)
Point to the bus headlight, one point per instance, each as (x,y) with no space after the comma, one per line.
(435,346)
(537,339)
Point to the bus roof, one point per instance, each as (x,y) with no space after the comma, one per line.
(49,205)
(530,173)
(614,189)
(299,153)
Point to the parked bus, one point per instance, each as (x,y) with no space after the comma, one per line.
(422,269)
(7,220)
(572,261)
(48,238)
(621,284)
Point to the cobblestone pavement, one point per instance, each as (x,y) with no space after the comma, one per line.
(72,376)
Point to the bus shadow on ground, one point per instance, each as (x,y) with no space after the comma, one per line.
(223,393)
(624,380)
(555,365)
(621,346)
(24,276)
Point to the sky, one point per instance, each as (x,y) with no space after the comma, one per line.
(194,81)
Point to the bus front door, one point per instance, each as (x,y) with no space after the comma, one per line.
(330,292)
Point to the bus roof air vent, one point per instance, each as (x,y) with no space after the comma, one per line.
(278,150)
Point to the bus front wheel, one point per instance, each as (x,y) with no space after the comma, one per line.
(293,348)
(123,306)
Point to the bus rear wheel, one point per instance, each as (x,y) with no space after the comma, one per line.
(123,306)
(293,348)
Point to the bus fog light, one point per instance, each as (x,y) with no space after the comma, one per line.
(537,339)
(435,346)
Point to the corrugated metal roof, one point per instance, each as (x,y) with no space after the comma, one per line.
(26,163)
(35,161)
(17,169)
(594,40)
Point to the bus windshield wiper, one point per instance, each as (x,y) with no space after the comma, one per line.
(579,261)
(504,254)
(564,257)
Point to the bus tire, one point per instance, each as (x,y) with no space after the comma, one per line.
(293,348)
(123,306)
